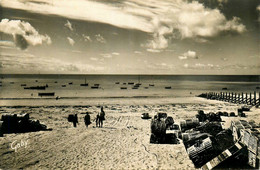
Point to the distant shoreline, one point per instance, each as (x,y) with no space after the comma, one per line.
(232,78)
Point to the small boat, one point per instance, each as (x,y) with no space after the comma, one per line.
(258,87)
(70,83)
(85,84)
(134,87)
(63,85)
(55,82)
(151,85)
(123,88)
(138,84)
(117,82)
(11,82)
(23,84)
(145,87)
(36,80)
(35,88)
(130,83)
(46,94)
(96,84)
(124,83)
(94,87)
(224,88)
(168,87)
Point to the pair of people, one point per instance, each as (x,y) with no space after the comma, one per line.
(100,117)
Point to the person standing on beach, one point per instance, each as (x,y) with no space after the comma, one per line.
(101,117)
(87,119)
(75,120)
(97,120)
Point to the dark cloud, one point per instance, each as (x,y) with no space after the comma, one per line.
(20,42)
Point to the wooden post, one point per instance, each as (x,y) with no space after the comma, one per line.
(235,98)
(238,96)
(228,96)
(259,98)
(250,97)
(254,97)
(246,98)
(242,100)
(232,97)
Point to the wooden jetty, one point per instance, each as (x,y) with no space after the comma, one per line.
(238,98)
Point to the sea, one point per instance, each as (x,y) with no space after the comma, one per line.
(67,89)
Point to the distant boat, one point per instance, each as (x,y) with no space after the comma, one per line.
(11,82)
(123,88)
(117,82)
(151,84)
(124,83)
(168,87)
(96,84)
(130,83)
(257,87)
(146,87)
(36,80)
(85,84)
(35,88)
(135,87)
(224,88)
(70,83)
(23,84)
(55,82)
(63,85)
(138,84)
(94,87)
(46,94)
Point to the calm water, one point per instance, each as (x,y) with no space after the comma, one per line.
(181,86)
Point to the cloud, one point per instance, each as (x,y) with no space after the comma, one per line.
(68,25)
(115,53)
(224,59)
(189,55)
(137,52)
(71,41)
(106,55)
(258,8)
(25,62)
(7,44)
(153,50)
(23,33)
(86,38)
(100,39)
(94,59)
(164,20)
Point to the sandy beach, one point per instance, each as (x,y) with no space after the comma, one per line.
(123,142)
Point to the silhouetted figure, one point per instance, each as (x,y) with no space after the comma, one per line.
(75,120)
(101,117)
(97,120)
(87,119)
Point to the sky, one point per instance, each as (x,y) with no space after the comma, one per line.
(209,37)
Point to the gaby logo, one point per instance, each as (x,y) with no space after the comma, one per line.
(18,144)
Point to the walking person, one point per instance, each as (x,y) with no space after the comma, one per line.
(97,120)
(75,120)
(101,117)
(87,119)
